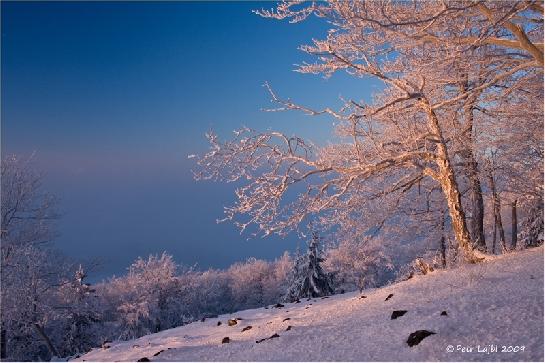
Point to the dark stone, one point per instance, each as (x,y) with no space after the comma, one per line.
(232,322)
(288,328)
(389,297)
(159,352)
(397,313)
(286,319)
(225,340)
(219,323)
(279,306)
(247,328)
(416,337)
(266,307)
(203,319)
(363,297)
(271,337)
(145,359)
(307,307)
(444,313)
(238,319)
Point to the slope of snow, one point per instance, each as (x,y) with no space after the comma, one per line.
(498,302)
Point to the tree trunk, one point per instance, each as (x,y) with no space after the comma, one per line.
(500,228)
(497,212)
(514,225)
(3,343)
(477,206)
(46,339)
(443,251)
(447,180)
(443,245)
(456,212)
(472,170)
(494,235)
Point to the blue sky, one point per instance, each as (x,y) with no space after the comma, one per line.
(113,96)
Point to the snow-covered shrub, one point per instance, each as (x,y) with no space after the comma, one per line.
(357,263)
(276,282)
(139,299)
(78,319)
(247,282)
(531,231)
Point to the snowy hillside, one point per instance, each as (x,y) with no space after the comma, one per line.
(493,304)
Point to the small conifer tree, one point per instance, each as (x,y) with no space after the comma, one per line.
(307,278)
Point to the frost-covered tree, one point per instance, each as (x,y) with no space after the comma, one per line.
(308,278)
(141,299)
(247,282)
(30,269)
(78,316)
(276,282)
(358,263)
(207,293)
(257,282)
(441,63)
(531,234)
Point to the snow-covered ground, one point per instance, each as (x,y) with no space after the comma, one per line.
(497,303)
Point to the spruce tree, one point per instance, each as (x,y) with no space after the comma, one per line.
(307,278)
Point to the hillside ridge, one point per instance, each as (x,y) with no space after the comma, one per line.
(472,312)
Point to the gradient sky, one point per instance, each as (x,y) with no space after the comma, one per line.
(113,96)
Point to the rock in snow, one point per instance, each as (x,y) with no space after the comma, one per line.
(492,302)
(271,337)
(397,313)
(416,337)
